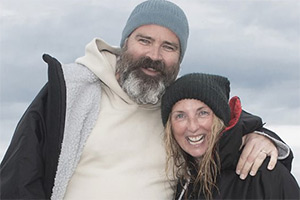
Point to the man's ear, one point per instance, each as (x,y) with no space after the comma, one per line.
(124,47)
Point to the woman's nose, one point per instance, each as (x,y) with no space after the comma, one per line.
(193,125)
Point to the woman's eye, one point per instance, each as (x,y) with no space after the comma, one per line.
(179,116)
(203,113)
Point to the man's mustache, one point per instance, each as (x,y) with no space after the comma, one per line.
(156,65)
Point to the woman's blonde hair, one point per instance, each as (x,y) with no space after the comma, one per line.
(207,167)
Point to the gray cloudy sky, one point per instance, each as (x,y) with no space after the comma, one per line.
(256,44)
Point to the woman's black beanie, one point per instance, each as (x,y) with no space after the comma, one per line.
(213,90)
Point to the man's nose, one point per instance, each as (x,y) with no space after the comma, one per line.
(155,53)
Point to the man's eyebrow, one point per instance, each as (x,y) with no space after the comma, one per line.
(144,36)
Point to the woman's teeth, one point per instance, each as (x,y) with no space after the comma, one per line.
(196,139)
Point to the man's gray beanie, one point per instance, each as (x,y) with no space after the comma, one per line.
(160,12)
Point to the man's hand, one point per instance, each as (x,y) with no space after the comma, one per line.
(257,148)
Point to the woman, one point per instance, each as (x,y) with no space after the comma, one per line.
(203,139)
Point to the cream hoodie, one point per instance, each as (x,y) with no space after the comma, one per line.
(124,156)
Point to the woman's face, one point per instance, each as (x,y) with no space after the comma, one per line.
(191,122)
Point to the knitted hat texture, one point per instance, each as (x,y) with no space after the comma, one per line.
(213,90)
(159,12)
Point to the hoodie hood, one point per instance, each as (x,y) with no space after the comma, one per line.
(241,123)
(101,59)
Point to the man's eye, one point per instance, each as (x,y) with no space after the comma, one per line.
(144,41)
(169,48)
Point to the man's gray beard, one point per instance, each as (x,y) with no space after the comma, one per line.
(141,91)
(142,88)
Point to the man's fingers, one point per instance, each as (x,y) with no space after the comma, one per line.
(273,160)
(257,163)
(247,157)
(245,170)
(248,164)
(243,158)
(256,149)
(246,161)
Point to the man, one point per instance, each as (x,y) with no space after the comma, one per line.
(94,131)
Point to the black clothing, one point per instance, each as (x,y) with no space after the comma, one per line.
(29,165)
